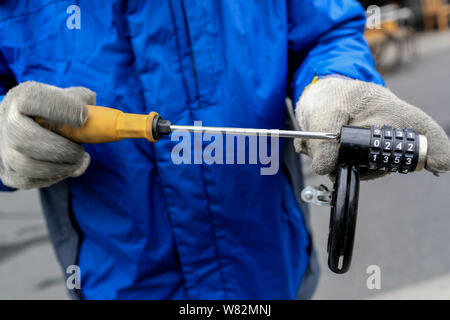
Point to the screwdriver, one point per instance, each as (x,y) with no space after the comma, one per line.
(358,145)
(108,125)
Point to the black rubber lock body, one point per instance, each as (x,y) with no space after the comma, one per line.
(370,149)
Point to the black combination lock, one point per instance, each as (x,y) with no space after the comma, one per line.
(360,150)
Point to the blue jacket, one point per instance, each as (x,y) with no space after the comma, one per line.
(149,228)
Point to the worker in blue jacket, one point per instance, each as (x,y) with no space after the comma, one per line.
(135,223)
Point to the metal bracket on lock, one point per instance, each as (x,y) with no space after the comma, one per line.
(320,196)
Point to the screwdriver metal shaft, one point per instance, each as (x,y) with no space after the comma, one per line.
(253,132)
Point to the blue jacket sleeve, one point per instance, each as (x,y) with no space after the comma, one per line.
(7,81)
(326,37)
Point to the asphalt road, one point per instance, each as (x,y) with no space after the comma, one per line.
(28,267)
(403,224)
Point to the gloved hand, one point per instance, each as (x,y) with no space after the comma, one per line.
(330,103)
(34,157)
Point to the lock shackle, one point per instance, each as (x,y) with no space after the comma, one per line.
(343,216)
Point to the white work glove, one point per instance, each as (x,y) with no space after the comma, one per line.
(330,103)
(34,157)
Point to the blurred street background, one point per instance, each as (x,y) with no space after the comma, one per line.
(403,223)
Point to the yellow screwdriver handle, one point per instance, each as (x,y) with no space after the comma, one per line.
(107,125)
